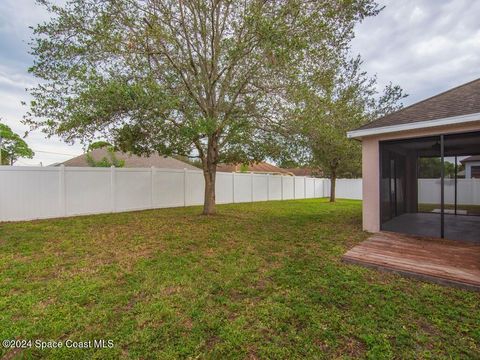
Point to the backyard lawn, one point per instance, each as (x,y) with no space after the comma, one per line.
(262,280)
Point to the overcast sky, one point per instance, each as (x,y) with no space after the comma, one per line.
(425,46)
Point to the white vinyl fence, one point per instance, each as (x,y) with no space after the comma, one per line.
(44,192)
(468,191)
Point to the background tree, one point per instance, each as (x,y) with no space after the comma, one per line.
(106,161)
(12,146)
(330,103)
(431,168)
(196,78)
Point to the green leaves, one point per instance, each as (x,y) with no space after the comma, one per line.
(331,102)
(12,146)
(181,71)
(192,78)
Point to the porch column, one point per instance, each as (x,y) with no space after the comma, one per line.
(371,184)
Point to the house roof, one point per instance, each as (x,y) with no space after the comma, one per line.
(471,159)
(261,167)
(304,171)
(132,161)
(456,103)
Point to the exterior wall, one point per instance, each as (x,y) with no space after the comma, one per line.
(371,184)
(468,168)
(371,166)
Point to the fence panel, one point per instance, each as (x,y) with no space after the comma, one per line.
(299,187)
(195,188)
(274,188)
(28,193)
(133,189)
(224,188)
(243,188)
(168,188)
(288,184)
(310,188)
(88,191)
(468,191)
(260,187)
(32,193)
(348,189)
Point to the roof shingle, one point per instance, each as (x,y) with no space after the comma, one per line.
(261,167)
(132,161)
(461,100)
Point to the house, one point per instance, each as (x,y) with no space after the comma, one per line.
(130,160)
(257,168)
(304,171)
(472,167)
(446,125)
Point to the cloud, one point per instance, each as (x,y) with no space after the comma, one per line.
(426,46)
(15,18)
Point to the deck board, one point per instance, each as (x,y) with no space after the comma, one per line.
(444,261)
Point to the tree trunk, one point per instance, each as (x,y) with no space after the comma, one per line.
(209,173)
(209,202)
(333,184)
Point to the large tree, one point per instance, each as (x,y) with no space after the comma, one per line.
(12,146)
(330,103)
(196,78)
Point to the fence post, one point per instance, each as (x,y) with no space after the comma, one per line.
(152,186)
(233,187)
(475,191)
(62,190)
(281,186)
(268,187)
(112,188)
(251,184)
(294,181)
(184,186)
(304,187)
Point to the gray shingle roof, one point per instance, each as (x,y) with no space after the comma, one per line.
(132,161)
(470,159)
(461,100)
(260,167)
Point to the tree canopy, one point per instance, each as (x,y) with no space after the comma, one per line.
(12,146)
(330,103)
(431,168)
(195,78)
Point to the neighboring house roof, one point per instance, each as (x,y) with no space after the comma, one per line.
(261,168)
(470,159)
(304,172)
(457,104)
(132,161)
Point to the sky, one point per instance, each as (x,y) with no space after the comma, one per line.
(425,46)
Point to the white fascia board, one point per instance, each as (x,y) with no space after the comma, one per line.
(415,125)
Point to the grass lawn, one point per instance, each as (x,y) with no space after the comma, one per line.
(261,280)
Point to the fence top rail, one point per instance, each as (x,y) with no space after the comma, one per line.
(89,169)
(145,169)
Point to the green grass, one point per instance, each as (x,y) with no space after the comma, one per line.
(262,280)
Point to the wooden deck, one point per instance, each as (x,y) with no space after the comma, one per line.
(442,261)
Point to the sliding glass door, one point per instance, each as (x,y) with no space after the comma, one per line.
(410,190)
(430,186)
(462,186)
